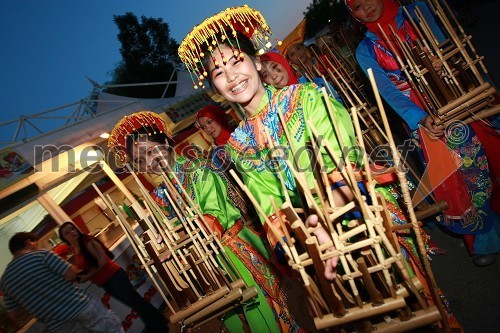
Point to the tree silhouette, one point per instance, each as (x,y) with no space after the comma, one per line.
(148,55)
(322,13)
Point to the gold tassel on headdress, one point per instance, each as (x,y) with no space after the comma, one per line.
(215,30)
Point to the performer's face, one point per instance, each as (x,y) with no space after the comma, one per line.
(274,73)
(238,79)
(151,157)
(298,54)
(209,126)
(367,11)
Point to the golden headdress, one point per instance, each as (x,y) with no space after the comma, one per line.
(150,121)
(207,37)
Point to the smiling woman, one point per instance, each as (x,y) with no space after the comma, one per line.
(276,70)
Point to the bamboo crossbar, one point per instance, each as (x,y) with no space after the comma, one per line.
(181,260)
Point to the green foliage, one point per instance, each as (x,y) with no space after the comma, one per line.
(321,13)
(148,55)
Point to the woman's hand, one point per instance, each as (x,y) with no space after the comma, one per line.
(84,276)
(323,237)
(428,123)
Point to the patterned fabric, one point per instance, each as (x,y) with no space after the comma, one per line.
(35,282)
(247,250)
(477,217)
(249,145)
(266,277)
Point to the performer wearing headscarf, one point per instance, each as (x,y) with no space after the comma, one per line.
(144,139)
(213,121)
(276,70)
(467,191)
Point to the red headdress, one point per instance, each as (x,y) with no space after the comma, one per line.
(273,56)
(217,114)
(143,120)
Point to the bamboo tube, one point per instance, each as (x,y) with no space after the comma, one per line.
(419,318)
(403,68)
(483,114)
(247,294)
(438,10)
(408,202)
(346,296)
(467,39)
(431,210)
(178,316)
(432,40)
(375,295)
(304,188)
(461,100)
(365,311)
(193,234)
(372,266)
(182,295)
(474,105)
(468,112)
(319,164)
(126,230)
(217,247)
(175,258)
(333,299)
(371,189)
(350,171)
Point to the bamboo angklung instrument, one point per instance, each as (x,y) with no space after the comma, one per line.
(454,80)
(372,279)
(182,256)
(407,198)
(353,96)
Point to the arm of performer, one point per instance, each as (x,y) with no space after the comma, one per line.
(411,113)
(400,103)
(211,194)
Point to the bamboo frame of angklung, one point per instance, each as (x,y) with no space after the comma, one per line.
(197,215)
(169,240)
(408,202)
(474,100)
(190,215)
(373,133)
(131,235)
(374,228)
(299,262)
(138,245)
(401,268)
(459,93)
(223,297)
(183,282)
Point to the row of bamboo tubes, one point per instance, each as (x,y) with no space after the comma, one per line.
(183,258)
(373,289)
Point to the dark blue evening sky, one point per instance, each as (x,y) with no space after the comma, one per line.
(48,46)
